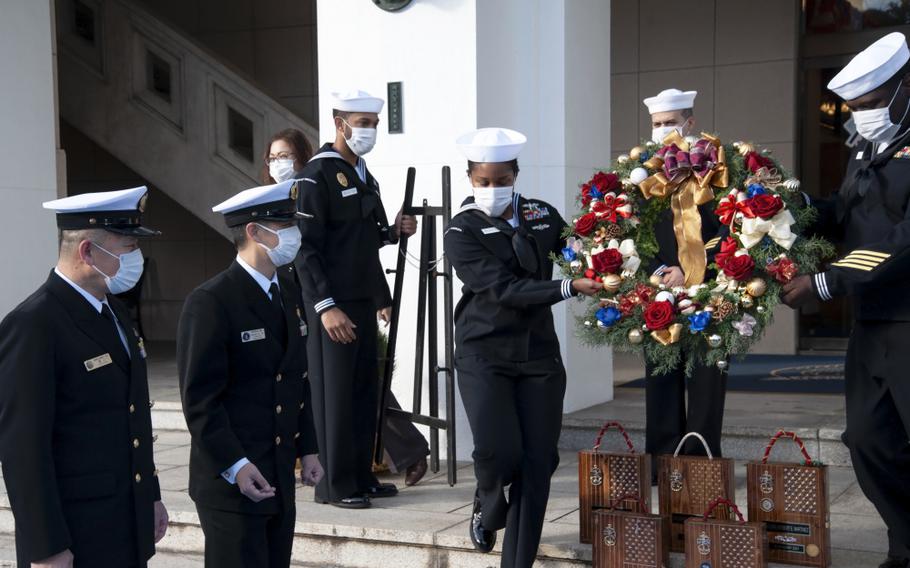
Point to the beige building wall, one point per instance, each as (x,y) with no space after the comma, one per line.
(271,42)
(742,58)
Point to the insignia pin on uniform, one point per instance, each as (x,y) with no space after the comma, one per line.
(342,179)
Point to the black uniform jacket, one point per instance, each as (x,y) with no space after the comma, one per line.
(244,387)
(76,430)
(504,312)
(712,234)
(339,253)
(870,216)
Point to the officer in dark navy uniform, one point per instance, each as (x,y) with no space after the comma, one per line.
(510,372)
(75,419)
(345,290)
(871,217)
(241,355)
(668,416)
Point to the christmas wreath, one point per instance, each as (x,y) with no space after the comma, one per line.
(762,246)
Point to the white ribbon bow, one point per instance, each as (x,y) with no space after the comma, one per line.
(778,228)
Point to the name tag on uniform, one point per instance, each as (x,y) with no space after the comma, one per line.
(98,362)
(489,230)
(859,155)
(349,192)
(303,330)
(252,335)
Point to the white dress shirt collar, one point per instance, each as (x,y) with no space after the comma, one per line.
(95,302)
(264,282)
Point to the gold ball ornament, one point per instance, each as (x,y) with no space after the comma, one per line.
(715,341)
(635,153)
(635,337)
(757,287)
(746,301)
(654,280)
(612,282)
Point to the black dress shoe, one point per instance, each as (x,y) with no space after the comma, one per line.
(382,490)
(356,502)
(415,472)
(484,540)
(895,562)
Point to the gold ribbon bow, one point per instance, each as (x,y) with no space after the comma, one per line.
(769,178)
(687,192)
(669,335)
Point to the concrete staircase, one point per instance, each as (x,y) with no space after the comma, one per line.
(163,105)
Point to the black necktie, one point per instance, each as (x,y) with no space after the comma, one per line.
(109,315)
(278,308)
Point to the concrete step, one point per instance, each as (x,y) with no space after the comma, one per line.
(750,419)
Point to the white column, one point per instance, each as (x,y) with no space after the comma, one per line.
(28,157)
(541,67)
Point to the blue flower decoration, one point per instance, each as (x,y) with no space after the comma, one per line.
(755,189)
(568,253)
(595,193)
(608,316)
(698,322)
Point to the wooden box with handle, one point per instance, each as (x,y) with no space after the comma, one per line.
(792,500)
(618,480)
(624,539)
(717,543)
(688,484)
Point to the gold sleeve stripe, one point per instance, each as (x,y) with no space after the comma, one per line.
(849,264)
(712,243)
(863,261)
(873,253)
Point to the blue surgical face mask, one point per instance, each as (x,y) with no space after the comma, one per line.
(129,273)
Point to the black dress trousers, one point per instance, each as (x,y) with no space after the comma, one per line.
(515,413)
(669,418)
(878,422)
(345,389)
(242,540)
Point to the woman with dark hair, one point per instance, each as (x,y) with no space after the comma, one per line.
(510,373)
(287,152)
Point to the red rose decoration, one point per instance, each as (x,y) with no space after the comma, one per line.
(764,205)
(607,261)
(606,182)
(755,161)
(727,249)
(659,315)
(585,224)
(739,267)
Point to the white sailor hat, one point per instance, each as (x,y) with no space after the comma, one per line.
(491,144)
(115,211)
(871,67)
(356,101)
(276,202)
(670,99)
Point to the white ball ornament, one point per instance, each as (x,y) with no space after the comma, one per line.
(665,297)
(638,175)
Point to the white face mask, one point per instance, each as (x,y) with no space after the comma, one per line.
(875,124)
(131,266)
(362,140)
(658,134)
(288,245)
(281,170)
(493,200)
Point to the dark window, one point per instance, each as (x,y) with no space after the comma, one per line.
(834,16)
(84,21)
(240,134)
(158,75)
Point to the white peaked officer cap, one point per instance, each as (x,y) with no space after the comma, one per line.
(276,202)
(115,211)
(491,145)
(670,99)
(356,101)
(871,67)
